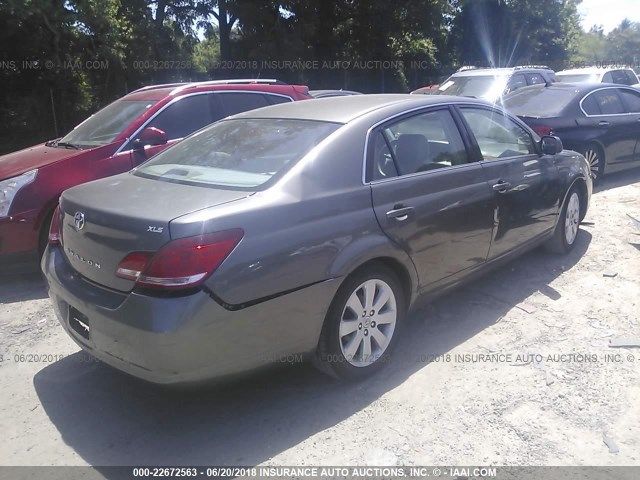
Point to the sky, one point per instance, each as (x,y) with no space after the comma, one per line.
(608,13)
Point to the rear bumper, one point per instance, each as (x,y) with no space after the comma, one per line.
(175,340)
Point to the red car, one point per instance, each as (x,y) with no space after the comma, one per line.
(116,139)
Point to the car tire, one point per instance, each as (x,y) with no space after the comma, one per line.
(568,225)
(356,344)
(596,160)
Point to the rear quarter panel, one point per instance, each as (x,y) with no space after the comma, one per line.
(572,167)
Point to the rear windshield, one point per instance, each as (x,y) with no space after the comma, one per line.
(237,153)
(538,102)
(479,86)
(579,78)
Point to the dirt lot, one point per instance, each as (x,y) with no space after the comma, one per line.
(439,403)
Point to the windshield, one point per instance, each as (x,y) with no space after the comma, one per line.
(479,86)
(538,102)
(240,153)
(578,77)
(104,126)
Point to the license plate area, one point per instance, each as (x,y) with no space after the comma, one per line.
(79,323)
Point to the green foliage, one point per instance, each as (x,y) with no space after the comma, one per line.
(206,55)
(71,57)
(591,48)
(620,47)
(623,43)
(502,33)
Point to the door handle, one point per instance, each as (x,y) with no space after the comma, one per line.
(603,124)
(501,186)
(400,213)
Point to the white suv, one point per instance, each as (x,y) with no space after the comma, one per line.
(491,83)
(621,76)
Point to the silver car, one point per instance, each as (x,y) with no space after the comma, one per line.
(307,228)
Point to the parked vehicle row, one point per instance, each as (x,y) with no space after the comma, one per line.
(594,111)
(303,228)
(492,83)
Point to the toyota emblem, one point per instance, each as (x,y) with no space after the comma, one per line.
(78,219)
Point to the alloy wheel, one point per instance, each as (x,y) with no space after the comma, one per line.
(594,162)
(368,322)
(572,219)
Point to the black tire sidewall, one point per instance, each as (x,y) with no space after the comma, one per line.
(330,352)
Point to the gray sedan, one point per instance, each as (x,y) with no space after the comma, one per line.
(308,228)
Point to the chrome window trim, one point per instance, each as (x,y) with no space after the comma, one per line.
(425,173)
(491,161)
(621,87)
(177,99)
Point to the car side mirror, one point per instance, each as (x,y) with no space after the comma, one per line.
(150,136)
(551,145)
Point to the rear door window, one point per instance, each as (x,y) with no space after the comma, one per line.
(631,99)
(517,81)
(534,79)
(276,99)
(609,102)
(184,116)
(590,105)
(382,161)
(497,135)
(620,77)
(632,79)
(238,102)
(428,141)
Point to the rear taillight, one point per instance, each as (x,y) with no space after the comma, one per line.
(181,263)
(543,130)
(133,265)
(55,236)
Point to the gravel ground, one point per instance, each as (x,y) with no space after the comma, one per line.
(513,369)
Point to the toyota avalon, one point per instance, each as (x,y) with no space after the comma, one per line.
(303,228)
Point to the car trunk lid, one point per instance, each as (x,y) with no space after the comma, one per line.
(104,221)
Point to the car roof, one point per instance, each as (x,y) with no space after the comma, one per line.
(320,93)
(159,92)
(348,108)
(578,88)
(496,72)
(590,70)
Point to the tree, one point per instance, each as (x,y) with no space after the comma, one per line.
(623,43)
(591,47)
(502,33)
